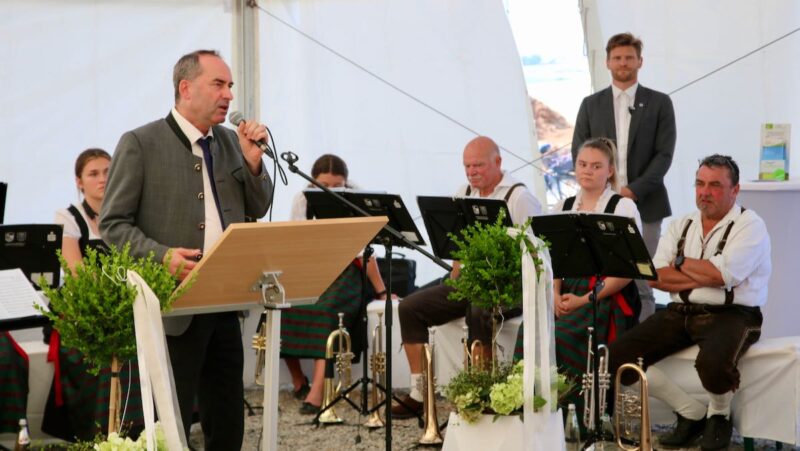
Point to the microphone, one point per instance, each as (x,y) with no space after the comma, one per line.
(236,117)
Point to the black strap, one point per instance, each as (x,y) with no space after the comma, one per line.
(511,190)
(84,240)
(568,203)
(82,226)
(720,246)
(611,206)
(508,193)
(684,295)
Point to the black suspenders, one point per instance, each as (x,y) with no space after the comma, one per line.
(684,295)
(611,206)
(508,193)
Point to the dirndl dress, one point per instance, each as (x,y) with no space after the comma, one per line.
(13,383)
(305,330)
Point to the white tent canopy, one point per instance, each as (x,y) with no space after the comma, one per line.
(396,88)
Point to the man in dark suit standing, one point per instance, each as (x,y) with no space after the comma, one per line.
(173,187)
(642,123)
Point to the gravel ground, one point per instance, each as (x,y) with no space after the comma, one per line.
(297,433)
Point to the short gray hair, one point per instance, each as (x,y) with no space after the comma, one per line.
(188,68)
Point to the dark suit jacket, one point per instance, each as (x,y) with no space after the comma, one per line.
(153,201)
(651,143)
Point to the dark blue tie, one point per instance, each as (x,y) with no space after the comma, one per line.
(205,144)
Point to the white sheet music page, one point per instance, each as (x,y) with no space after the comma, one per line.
(17,295)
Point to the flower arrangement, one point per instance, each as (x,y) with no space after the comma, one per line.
(476,391)
(121,442)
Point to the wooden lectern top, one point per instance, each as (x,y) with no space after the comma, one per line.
(309,255)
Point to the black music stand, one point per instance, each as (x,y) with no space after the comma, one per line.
(585,245)
(445,215)
(323,206)
(31,248)
(394,236)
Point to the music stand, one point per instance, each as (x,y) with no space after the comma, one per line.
(31,248)
(585,245)
(322,205)
(445,215)
(3,191)
(395,236)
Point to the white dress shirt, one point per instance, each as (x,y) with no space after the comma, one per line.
(213,223)
(744,262)
(623,102)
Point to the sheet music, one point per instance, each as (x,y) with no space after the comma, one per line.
(17,295)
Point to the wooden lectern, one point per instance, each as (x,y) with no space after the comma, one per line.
(274,264)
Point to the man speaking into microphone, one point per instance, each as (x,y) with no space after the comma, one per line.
(642,123)
(175,184)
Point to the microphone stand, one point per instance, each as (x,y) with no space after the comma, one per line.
(393,236)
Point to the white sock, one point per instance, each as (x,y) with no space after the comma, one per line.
(720,404)
(416,380)
(663,388)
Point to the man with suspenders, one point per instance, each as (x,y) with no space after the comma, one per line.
(715,263)
(429,306)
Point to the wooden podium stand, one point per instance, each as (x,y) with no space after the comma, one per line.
(276,265)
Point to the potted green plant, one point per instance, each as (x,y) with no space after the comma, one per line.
(491,268)
(93,310)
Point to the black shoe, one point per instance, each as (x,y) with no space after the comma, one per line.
(308,409)
(686,432)
(302,392)
(717,434)
(401,412)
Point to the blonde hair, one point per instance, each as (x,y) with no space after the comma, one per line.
(607,147)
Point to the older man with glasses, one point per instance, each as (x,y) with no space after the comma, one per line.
(715,263)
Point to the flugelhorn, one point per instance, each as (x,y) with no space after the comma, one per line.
(338,362)
(431,434)
(260,346)
(630,407)
(473,355)
(377,361)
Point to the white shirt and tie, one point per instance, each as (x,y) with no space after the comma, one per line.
(623,103)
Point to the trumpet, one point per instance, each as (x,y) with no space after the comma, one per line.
(338,359)
(473,355)
(630,407)
(587,384)
(377,361)
(431,434)
(260,345)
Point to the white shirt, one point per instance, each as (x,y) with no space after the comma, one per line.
(623,101)
(625,206)
(71,229)
(521,204)
(213,224)
(744,263)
